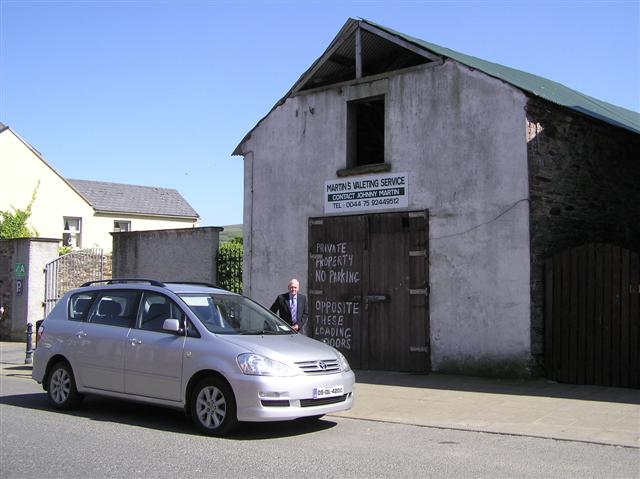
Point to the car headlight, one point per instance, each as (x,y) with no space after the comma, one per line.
(344,364)
(256,365)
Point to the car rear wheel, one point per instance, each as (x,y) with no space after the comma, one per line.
(213,407)
(61,390)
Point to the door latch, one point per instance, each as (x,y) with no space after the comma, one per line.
(376,298)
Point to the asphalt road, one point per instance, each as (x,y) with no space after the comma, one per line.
(107,438)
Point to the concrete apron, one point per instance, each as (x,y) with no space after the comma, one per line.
(537,408)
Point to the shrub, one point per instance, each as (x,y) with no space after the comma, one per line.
(229,265)
(14,224)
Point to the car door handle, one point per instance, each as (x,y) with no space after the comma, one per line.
(134,341)
(81,334)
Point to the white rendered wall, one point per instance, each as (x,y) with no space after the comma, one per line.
(460,135)
(21,171)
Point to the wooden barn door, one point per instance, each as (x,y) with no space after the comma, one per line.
(592,319)
(368,288)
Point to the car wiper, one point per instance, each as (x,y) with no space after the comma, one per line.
(257,331)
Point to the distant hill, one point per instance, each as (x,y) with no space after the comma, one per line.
(230,232)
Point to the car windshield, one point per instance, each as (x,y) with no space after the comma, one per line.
(234,314)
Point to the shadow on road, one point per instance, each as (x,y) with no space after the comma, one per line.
(163,419)
(26,368)
(519,387)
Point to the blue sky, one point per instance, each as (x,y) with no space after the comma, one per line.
(159,93)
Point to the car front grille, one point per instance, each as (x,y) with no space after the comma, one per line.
(323,401)
(322,366)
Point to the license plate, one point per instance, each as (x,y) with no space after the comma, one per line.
(319,393)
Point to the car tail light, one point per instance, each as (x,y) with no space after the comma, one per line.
(39,333)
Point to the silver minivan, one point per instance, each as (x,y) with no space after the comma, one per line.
(218,355)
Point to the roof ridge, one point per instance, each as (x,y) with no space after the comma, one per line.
(122,184)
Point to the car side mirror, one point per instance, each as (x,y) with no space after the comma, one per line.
(172,325)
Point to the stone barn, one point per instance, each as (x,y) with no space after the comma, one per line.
(417,193)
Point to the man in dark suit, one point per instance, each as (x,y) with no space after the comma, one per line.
(295,302)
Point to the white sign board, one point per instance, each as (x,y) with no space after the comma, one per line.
(373,192)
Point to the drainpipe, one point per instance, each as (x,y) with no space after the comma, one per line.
(249,236)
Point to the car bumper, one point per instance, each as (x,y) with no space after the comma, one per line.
(40,359)
(264,398)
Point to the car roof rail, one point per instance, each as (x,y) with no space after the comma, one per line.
(196,283)
(152,282)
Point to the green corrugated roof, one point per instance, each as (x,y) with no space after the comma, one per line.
(549,90)
(534,84)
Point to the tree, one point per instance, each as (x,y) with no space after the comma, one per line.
(14,224)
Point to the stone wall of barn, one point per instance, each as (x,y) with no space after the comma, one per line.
(583,178)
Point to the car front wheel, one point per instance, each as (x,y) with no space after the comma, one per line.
(61,391)
(213,407)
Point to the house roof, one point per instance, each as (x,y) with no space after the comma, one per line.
(146,200)
(338,61)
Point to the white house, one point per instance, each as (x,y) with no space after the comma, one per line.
(82,213)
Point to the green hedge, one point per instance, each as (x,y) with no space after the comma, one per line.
(229,264)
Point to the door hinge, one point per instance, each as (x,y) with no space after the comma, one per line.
(316,222)
(421,252)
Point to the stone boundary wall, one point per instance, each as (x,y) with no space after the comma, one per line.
(82,270)
(7,262)
(72,270)
(187,254)
(583,182)
(26,306)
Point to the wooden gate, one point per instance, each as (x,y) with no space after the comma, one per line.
(591,316)
(368,288)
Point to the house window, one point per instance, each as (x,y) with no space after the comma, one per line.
(365,132)
(120,226)
(72,233)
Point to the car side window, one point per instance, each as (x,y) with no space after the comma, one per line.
(115,308)
(155,309)
(79,305)
(192,332)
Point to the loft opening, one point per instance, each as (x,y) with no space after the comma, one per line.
(365,132)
